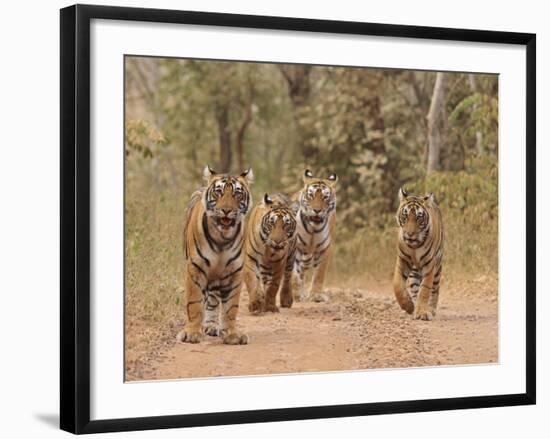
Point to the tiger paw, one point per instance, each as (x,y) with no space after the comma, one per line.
(188,336)
(255,307)
(423,314)
(302,297)
(235,338)
(211,330)
(407,306)
(271,308)
(286,300)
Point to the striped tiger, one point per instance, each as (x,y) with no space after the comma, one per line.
(316,220)
(270,246)
(419,255)
(213,245)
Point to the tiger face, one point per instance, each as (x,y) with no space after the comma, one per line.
(318,197)
(227,199)
(413,217)
(278,226)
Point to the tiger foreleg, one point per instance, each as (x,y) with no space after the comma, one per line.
(211,325)
(271,294)
(255,297)
(413,284)
(434,298)
(300,293)
(287,298)
(400,276)
(318,280)
(230,308)
(192,331)
(422,309)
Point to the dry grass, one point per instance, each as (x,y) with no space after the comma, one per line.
(153,274)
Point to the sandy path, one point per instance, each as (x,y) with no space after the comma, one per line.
(356,329)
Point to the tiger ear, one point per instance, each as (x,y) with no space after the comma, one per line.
(402,194)
(333,179)
(208,173)
(248,175)
(307,175)
(267,199)
(430,198)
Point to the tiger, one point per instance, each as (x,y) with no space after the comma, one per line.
(270,247)
(213,247)
(420,239)
(316,218)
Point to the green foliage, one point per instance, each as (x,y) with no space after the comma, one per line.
(471,195)
(348,138)
(481,112)
(143,138)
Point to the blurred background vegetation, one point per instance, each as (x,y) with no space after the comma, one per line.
(378,129)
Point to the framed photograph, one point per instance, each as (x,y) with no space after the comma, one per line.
(275,218)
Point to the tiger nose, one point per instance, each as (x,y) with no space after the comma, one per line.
(226,211)
(410,234)
(317,210)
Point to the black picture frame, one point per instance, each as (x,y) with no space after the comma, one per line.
(75,217)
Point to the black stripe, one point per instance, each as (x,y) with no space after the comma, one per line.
(204,258)
(320,252)
(304,222)
(263,237)
(211,241)
(323,241)
(404,255)
(406,263)
(426,252)
(225,292)
(235,305)
(191,303)
(254,259)
(254,248)
(197,266)
(232,273)
(322,228)
(227,299)
(235,256)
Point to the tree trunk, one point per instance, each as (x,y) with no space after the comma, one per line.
(245,121)
(222,119)
(436,123)
(479,134)
(297,78)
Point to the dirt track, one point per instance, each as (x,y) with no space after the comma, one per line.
(356,329)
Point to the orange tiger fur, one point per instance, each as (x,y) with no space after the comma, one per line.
(316,220)
(270,247)
(419,255)
(213,245)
